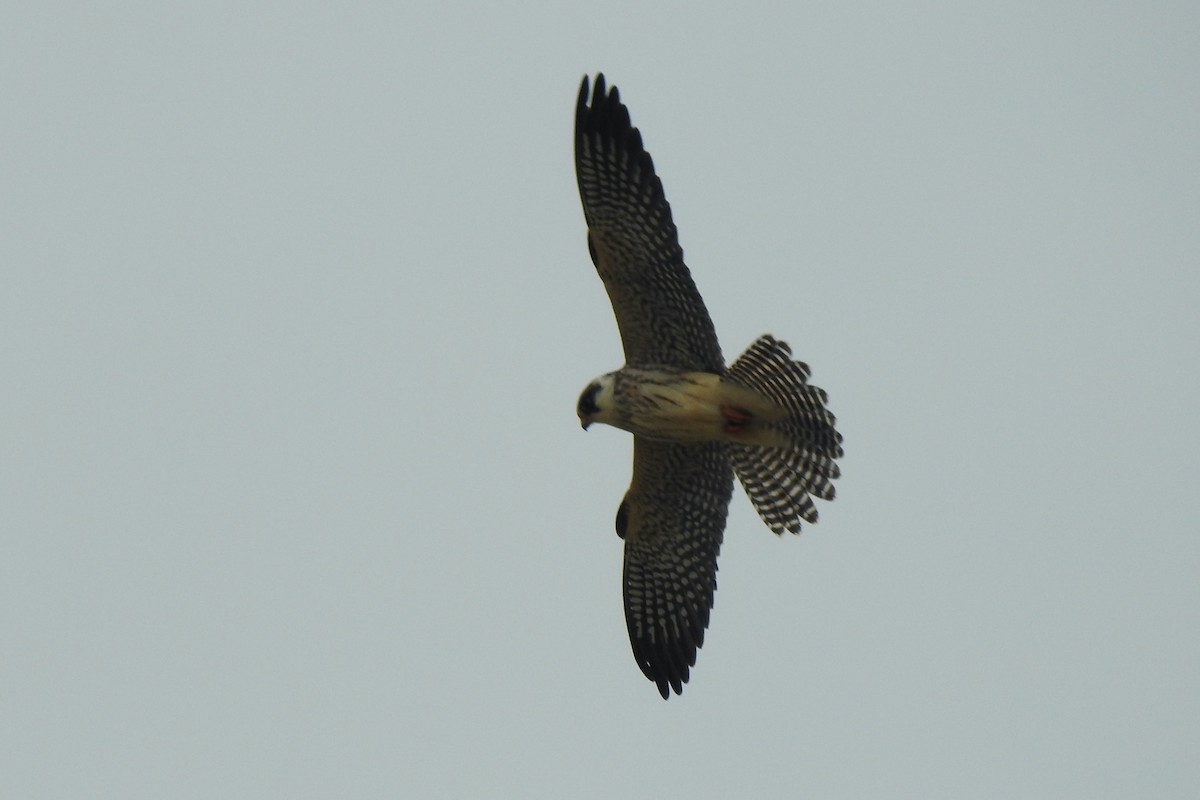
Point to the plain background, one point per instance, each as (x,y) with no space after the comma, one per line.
(296,307)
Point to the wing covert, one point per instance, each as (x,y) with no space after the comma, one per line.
(673,522)
(633,241)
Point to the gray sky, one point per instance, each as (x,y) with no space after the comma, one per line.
(297,304)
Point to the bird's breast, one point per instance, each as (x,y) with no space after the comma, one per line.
(690,406)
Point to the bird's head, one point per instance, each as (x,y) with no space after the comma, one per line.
(596,404)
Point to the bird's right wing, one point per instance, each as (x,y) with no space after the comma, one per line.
(633,242)
(672,521)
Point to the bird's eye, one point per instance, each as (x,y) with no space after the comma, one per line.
(587,401)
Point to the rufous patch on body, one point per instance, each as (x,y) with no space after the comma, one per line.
(735,418)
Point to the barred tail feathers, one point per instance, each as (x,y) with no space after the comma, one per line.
(781,480)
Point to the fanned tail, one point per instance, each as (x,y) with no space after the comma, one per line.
(782,480)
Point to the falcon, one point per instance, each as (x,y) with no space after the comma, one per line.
(695,422)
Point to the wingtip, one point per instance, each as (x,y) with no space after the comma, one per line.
(594,91)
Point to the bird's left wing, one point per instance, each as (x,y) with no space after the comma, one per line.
(672,521)
(633,242)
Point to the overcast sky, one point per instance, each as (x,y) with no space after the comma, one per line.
(296,306)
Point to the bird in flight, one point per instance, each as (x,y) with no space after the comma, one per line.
(695,422)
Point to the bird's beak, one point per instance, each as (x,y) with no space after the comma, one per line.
(584,422)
